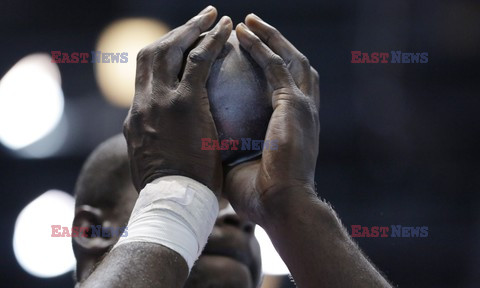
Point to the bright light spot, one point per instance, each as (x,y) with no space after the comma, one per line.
(31,101)
(272,263)
(49,145)
(117,80)
(36,251)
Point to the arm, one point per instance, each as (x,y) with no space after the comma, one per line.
(323,255)
(278,191)
(167,117)
(140,265)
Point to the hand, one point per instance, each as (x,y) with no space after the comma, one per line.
(256,189)
(170,112)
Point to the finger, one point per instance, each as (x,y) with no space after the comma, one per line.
(297,63)
(315,87)
(168,54)
(273,65)
(143,73)
(201,58)
(143,79)
(145,57)
(316,96)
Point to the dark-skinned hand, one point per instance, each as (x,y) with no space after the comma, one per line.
(170,111)
(256,189)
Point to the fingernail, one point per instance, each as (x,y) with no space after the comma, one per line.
(222,22)
(225,20)
(246,29)
(243,26)
(206,10)
(256,17)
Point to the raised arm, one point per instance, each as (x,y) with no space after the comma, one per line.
(278,191)
(170,113)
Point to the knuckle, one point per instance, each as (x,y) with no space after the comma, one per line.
(296,99)
(285,95)
(126,126)
(131,121)
(256,43)
(161,49)
(315,74)
(216,35)
(275,61)
(174,31)
(143,55)
(273,33)
(313,108)
(138,111)
(304,62)
(199,55)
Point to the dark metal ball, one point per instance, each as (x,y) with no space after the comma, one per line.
(240,100)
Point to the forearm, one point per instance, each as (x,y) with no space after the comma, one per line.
(139,265)
(315,246)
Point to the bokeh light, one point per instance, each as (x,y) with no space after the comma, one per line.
(31,101)
(36,251)
(272,263)
(117,80)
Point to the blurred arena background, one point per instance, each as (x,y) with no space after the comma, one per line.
(399,142)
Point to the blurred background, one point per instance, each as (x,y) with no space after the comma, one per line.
(399,142)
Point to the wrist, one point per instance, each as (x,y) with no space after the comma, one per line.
(297,206)
(282,203)
(208,180)
(174,211)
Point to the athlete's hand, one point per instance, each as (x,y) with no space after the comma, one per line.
(260,189)
(170,112)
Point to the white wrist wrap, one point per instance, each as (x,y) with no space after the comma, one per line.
(174,211)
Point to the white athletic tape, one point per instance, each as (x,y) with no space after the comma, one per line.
(174,211)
